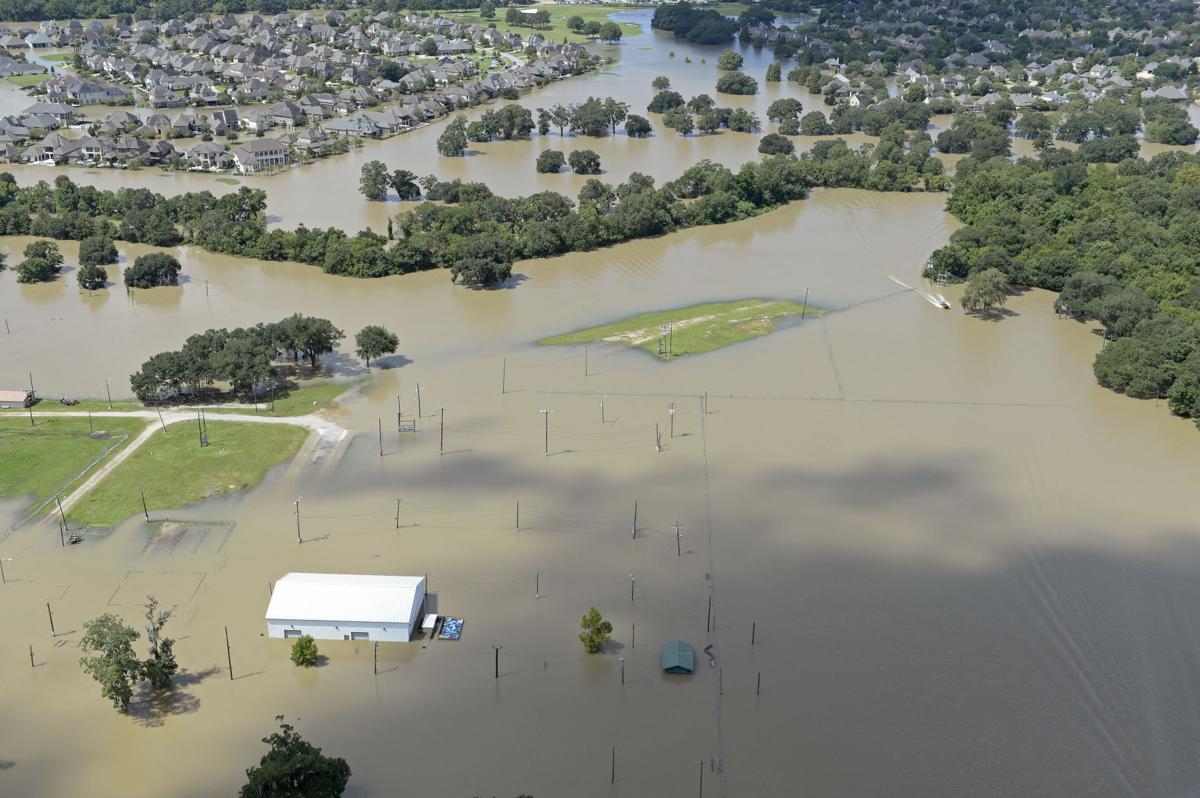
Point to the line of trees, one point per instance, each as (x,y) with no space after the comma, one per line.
(242,357)
(1119,243)
(696,25)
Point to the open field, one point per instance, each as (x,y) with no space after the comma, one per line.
(27,80)
(174,471)
(57,57)
(557,30)
(44,460)
(95,405)
(695,329)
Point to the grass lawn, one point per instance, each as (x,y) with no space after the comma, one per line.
(174,471)
(57,57)
(557,29)
(296,402)
(95,405)
(25,81)
(41,460)
(697,329)
(229,181)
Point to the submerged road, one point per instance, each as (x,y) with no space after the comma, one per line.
(329,433)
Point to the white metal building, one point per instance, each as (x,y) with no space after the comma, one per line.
(346,606)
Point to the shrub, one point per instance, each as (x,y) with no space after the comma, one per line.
(304,652)
(550,161)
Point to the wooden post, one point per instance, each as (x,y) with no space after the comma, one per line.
(758,684)
(622,661)
(504,377)
(701,764)
(91,426)
(51,614)
(145,509)
(721,681)
(517,528)
(298,540)
(31,656)
(632,584)
(375,668)
(61,514)
(418,400)
(380,420)
(228,654)
(635,508)
(633,637)
(708,623)
(32,423)
(678,541)
(497,650)
(108,392)
(585,360)
(612,779)
(397,513)
(804,310)
(442,430)
(537,584)
(3,578)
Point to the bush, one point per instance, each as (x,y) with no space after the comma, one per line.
(550,161)
(730,61)
(304,652)
(664,101)
(737,83)
(814,123)
(36,270)
(775,144)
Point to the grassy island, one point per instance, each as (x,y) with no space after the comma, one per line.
(695,329)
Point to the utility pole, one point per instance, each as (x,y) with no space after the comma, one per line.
(657,439)
(31,390)
(32,423)
(546,415)
(91,426)
(375,669)
(635,505)
(622,661)
(678,541)
(298,498)
(517,528)
(380,420)
(442,430)
(700,762)
(585,360)
(3,578)
(61,514)
(108,392)
(397,513)
(145,509)
(504,377)
(671,413)
(602,400)
(632,585)
(418,400)
(497,650)
(228,654)
(804,310)
(753,631)
(51,614)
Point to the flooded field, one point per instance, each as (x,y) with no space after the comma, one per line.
(966,569)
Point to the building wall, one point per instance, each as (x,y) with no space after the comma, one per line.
(323,630)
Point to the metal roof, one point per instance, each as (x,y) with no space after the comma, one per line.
(19,395)
(678,657)
(346,597)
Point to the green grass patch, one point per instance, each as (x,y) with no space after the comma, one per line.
(95,405)
(57,57)
(47,459)
(294,402)
(695,329)
(174,471)
(25,81)
(229,181)
(557,29)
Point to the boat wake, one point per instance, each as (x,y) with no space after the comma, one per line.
(937,300)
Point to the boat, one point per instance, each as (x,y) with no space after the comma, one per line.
(943,301)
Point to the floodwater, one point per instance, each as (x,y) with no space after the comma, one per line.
(966,568)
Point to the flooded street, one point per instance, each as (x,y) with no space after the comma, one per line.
(966,568)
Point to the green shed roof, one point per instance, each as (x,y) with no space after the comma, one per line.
(678,657)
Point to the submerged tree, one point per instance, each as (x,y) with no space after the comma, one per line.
(160,666)
(295,768)
(453,141)
(304,652)
(374,341)
(373,181)
(596,631)
(986,289)
(109,657)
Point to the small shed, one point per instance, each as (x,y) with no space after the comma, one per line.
(346,606)
(17,398)
(678,657)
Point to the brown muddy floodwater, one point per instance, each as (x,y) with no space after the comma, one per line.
(970,570)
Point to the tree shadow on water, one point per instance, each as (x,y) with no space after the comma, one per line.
(151,707)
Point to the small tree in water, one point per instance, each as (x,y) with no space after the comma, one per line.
(375,341)
(109,659)
(304,652)
(596,631)
(160,666)
(295,768)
